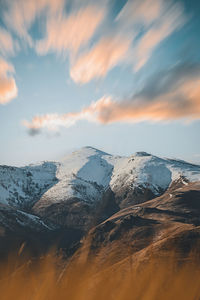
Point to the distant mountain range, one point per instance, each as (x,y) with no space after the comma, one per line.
(141,198)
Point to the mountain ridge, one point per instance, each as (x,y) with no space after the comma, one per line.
(87,173)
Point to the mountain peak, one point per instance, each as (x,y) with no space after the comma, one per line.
(91,150)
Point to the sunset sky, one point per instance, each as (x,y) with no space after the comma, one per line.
(121,76)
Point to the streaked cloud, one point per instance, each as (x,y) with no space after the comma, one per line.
(8,88)
(20,14)
(70,28)
(54,121)
(7,45)
(106,54)
(175,96)
(151,21)
(170,21)
(71,32)
(140,12)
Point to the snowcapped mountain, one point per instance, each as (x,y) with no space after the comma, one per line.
(86,174)
(63,200)
(22,187)
(91,181)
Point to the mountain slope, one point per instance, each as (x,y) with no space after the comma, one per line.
(167,223)
(22,187)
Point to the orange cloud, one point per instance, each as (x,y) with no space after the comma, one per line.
(181,102)
(172,106)
(8,88)
(171,20)
(71,32)
(138,11)
(107,53)
(20,14)
(160,19)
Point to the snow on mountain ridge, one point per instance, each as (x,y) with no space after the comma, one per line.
(146,170)
(87,173)
(88,164)
(24,186)
(83,174)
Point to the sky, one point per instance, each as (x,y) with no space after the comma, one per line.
(121,76)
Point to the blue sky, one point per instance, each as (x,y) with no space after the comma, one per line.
(122,76)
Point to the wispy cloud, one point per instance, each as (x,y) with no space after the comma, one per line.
(54,121)
(169,21)
(20,14)
(7,45)
(107,53)
(175,96)
(70,28)
(8,88)
(140,12)
(70,32)
(151,20)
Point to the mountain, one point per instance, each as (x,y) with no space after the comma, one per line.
(64,200)
(91,181)
(167,224)
(22,187)
(19,228)
(87,173)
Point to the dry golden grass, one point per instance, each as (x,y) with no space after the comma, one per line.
(50,279)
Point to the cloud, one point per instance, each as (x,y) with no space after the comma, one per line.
(33,131)
(168,80)
(176,95)
(71,27)
(8,88)
(64,31)
(171,19)
(54,121)
(6,42)
(151,21)
(140,12)
(106,54)
(71,32)
(20,14)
